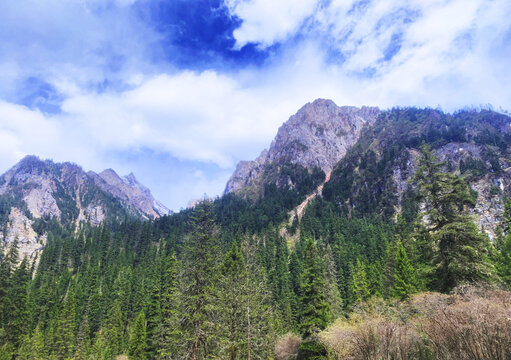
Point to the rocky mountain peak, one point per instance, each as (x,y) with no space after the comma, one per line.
(318,135)
(129,190)
(131,179)
(41,189)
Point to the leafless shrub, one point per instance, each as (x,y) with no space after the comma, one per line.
(472,328)
(474,323)
(373,339)
(287,347)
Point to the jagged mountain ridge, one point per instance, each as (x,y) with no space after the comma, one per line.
(37,190)
(372,153)
(318,135)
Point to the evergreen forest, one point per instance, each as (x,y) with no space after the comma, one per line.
(242,277)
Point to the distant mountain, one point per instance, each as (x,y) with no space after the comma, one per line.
(35,190)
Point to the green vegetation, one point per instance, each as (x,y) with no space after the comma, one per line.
(220,281)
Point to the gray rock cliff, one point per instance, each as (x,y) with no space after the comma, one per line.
(41,189)
(318,135)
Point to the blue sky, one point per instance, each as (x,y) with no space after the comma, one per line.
(178,91)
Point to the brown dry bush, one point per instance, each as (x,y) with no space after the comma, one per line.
(287,347)
(472,327)
(472,324)
(374,339)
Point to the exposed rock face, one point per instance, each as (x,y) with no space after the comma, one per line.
(43,189)
(20,228)
(318,135)
(131,192)
(489,205)
(377,176)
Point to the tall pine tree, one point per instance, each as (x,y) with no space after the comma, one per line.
(459,250)
(64,332)
(169,332)
(201,284)
(139,347)
(315,310)
(360,287)
(405,283)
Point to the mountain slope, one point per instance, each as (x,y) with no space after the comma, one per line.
(375,176)
(317,136)
(35,191)
(371,155)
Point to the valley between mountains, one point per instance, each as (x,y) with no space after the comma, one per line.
(360,233)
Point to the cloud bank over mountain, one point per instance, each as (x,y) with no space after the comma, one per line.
(180,91)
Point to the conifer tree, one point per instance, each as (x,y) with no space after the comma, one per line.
(7,265)
(332,293)
(32,347)
(233,299)
(259,331)
(295,271)
(95,310)
(154,315)
(169,332)
(460,251)
(315,310)
(280,280)
(360,287)
(83,341)
(64,332)
(404,275)
(200,283)
(16,304)
(113,331)
(138,346)
(504,260)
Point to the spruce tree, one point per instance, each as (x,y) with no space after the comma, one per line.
(332,293)
(138,346)
(200,279)
(295,271)
(16,304)
(113,330)
(459,250)
(315,310)
(504,260)
(360,287)
(404,275)
(154,314)
(260,328)
(169,332)
(83,341)
(280,281)
(8,263)
(232,300)
(32,347)
(64,332)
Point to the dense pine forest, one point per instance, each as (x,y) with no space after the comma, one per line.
(242,278)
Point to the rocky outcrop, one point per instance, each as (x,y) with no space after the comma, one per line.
(377,175)
(19,228)
(131,192)
(38,189)
(318,135)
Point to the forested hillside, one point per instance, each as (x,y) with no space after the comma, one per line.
(417,204)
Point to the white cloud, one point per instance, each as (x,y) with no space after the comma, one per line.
(267,21)
(438,44)
(21,129)
(79,42)
(451,53)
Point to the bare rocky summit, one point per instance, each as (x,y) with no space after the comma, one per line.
(377,175)
(318,135)
(130,192)
(36,189)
